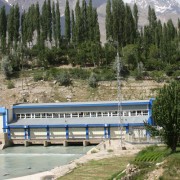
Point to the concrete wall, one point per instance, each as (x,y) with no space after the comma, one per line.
(38,133)
(1,123)
(17,133)
(77,133)
(96,132)
(57,133)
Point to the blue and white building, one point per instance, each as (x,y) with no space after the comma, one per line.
(76,120)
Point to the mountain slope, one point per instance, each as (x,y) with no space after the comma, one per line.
(4,3)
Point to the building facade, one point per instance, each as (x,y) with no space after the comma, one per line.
(77,120)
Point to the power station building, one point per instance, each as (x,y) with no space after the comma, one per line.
(75,121)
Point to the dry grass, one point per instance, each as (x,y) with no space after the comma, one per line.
(100,169)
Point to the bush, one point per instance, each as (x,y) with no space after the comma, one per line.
(158,76)
(79,73)
(93,80)
(6,67)
(176,75)
(10,85)
(38,76)
(63,79)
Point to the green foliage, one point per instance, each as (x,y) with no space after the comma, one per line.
(10,85)
(63,78)
(158,76)
(166,113)
(38,76)
(93,82)
(79,73)
(6,67)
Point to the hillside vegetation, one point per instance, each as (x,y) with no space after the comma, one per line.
(38,86)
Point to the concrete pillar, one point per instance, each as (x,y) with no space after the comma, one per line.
(26,143)
(65,143)
(85,143)
(46,143)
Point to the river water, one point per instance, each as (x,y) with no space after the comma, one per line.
(20,161)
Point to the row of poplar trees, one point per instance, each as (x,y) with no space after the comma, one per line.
(37,34)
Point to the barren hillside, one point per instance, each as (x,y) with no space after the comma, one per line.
(26,90)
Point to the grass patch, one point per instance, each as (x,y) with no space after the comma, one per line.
(101,169)
(146,161)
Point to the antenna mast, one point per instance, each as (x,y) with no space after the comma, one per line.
(119,66)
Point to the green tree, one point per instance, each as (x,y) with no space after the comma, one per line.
(49,20)
(67,22)
(6,67)
(166,114)
(108,20)
(16,25)
(93,82)
(58,25)
(3,29)
(37,22)
(10,27)
(136,17)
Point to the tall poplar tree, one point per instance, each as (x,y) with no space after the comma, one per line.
(44,21)
(67,22)
(90,21)
(109,31)
(49,20)
(136,17)
(78,22)
(73,27)
(37,22)
(84,30)
(10,27)
(54,24)
(16,25)
(3,28)
(58,25)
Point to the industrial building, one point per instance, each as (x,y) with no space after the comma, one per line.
(63,123)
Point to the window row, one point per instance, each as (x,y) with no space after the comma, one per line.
(82,114)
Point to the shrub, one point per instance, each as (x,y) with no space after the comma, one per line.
(158,76)
(38,76)
(79,73)
(93,80)
(6,67)
(63,79)
(10,85)
(110,150)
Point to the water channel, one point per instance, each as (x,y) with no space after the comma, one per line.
(20,161)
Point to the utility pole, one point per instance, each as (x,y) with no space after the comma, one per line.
(119,94)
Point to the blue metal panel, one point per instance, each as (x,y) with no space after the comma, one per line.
(109,132)
(29,133)
(87,132)
(9,133)
(76,125)
(2,110)
(79,105)
(67,132)
(4,122)
(48,135)
(127,129)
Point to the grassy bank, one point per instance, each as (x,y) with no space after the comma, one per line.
(152,162)
(157,163)
(100,169)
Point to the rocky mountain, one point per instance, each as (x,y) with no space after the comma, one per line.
(165,9)
(4,3)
